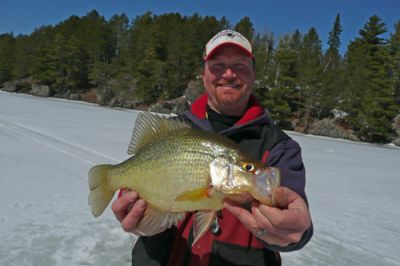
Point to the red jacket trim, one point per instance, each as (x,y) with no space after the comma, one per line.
(199,109)
(265,157)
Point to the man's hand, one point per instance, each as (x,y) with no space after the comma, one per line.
(281,225)
(129,209)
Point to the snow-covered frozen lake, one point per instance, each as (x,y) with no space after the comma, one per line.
(48,145)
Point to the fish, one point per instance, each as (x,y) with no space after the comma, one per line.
(178,169)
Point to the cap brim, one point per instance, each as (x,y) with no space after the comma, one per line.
(225,44)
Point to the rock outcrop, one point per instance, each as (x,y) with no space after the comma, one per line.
(41,90)
(176,106)
(20,85)
(328,127)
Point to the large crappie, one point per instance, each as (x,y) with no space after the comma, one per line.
(177,169)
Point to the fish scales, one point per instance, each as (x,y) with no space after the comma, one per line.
(169,159)
(178,169)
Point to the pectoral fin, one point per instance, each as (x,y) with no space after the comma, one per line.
(155,221)
(202,221)
(194,195)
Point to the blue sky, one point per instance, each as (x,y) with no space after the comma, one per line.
(277,16)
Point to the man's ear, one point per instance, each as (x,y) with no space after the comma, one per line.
(203,68)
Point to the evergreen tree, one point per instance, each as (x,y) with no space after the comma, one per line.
(334,37)
(210,26)
(145,36)
(332,73)
(72,69)
(95,40)
(370,101)
(281,94)
(263,49)
(149,77)
(119,30)
(294,93)
(394,50)
(111,75)
(310,76)
(175,54)
(24,57)
(60,64)
(7,56)
(32,52)
(245,27)
(101,73)
(41,40)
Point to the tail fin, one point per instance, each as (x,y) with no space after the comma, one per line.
(100,191)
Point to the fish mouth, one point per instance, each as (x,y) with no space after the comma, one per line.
(266,180)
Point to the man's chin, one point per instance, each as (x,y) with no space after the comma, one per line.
(229,96)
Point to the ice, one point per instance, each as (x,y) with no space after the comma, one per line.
(48,145)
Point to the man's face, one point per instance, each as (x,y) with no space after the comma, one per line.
(228,77)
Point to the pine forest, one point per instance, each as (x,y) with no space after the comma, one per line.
(154,59)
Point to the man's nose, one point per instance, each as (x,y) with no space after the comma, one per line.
(228,73)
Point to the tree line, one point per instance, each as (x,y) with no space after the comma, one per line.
(154,57)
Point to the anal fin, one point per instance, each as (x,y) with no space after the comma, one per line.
(201,223)
(155,221)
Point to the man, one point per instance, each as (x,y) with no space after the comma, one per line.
(246,235)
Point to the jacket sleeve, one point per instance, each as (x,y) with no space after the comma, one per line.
(286,156)
(153,250)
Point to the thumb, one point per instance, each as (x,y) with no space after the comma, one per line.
(280,197)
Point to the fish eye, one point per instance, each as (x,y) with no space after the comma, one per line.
(248,167)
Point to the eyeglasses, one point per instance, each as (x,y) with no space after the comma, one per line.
(238,68)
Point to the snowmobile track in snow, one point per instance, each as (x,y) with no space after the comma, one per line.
(54,142)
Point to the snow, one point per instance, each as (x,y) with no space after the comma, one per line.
(48,145)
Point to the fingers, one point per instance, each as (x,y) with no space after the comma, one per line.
(260,230)
(243,215)
(131,220)
(263,222)
(285,225)
(276,234)
(280,197)
(294,213)
(121,205)
(278,226)
(128,209)
(285,197)
(289,218)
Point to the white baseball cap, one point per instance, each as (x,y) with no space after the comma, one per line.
(226,37)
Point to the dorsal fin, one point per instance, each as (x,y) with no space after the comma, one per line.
(148,126)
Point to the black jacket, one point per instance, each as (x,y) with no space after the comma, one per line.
(232,243)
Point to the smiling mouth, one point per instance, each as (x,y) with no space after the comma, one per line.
(229,86)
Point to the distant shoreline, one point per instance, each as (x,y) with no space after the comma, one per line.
(290,132)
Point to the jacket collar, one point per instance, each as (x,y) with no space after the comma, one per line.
(254,110)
